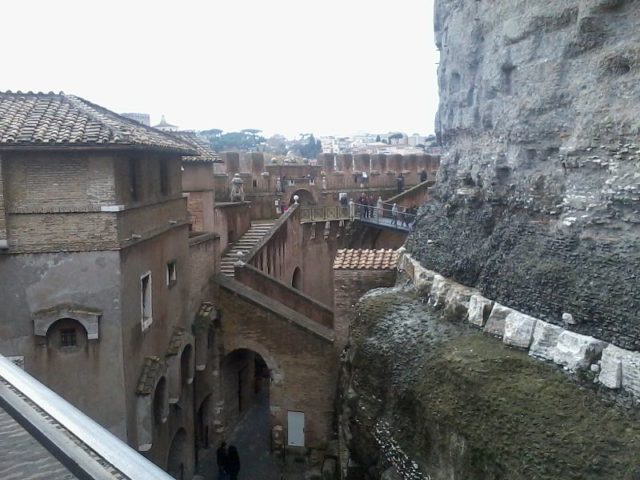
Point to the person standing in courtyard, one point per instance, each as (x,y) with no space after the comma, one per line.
(222,458)
(233,463)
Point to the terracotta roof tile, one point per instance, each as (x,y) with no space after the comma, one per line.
(354,259)
(205,154)
(55,119)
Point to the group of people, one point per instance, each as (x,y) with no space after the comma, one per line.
(406,216)
(228,462)
(367,206)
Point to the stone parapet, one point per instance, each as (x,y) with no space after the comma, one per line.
(616,367)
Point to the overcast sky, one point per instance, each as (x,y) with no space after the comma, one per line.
(287,66)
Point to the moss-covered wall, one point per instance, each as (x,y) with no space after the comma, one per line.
(423,396)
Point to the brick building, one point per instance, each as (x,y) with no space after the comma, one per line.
(95,267)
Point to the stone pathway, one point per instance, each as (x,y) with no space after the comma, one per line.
(252,438)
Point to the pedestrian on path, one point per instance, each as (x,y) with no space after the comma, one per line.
(394,214)
(222,458)
(233,463)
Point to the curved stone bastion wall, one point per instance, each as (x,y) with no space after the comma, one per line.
(537,200)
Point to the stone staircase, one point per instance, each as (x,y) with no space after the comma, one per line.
(245,243)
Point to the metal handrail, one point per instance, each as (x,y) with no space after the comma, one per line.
(373,214)
(97,438)
(359,211)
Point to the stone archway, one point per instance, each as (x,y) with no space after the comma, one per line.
(203,420)
(248,387)
(176,460)
(305,197)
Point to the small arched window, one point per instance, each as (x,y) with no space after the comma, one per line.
(67,335)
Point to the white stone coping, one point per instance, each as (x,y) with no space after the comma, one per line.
(618,368)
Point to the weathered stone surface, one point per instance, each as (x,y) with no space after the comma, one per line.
(479,309)
(535,202)
(439,289)
(422,278)
(620,368)
(575,351)
(496,320)
(458,297)
(545,339)
(518,329)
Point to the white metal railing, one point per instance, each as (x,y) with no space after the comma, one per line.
(106,445)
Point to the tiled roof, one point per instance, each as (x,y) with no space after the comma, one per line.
(57,120)
(354,259)
(205,154)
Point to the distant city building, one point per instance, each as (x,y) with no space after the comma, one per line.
(143,118)
(416,139)
(165,126)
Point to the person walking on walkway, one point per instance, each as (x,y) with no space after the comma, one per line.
(406,212)
(233,463)
(380,208)
(222,459)
(423,175)
(394,214)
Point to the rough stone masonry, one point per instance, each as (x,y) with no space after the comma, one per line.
(538,197)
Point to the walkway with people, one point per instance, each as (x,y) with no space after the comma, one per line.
(386,222)
(252,438)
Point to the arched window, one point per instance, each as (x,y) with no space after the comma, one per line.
(296,281)
(185,365)
(67,335)
(160,407)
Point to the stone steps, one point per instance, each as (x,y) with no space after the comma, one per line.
(245,243)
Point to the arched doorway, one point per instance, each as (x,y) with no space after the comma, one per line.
(305,197)
(296,279)
(247,382)
(202,422)
(177,461)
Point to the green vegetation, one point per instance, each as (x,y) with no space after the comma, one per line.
(464,405)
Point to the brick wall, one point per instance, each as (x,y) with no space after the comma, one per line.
(303,364)
(62,232)
(231,221)
(153,217)
(203,265)
(290,297)
(56,181)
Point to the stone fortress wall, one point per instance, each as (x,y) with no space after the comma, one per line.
(341,173)
(613,367)
(536,201)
